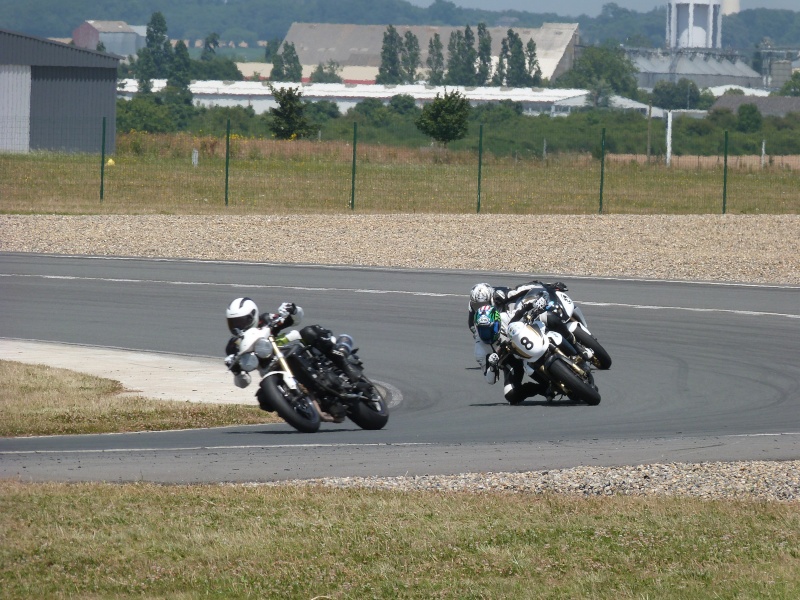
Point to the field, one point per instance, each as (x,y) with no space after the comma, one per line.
(151,174)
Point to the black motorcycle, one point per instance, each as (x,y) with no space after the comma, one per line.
(304,386)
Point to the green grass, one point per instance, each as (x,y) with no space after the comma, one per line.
(236,541)
(154,175)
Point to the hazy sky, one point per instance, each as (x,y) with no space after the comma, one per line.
(573,8)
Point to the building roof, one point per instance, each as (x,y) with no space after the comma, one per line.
(360,45)
(23,49)
(111,26)
(774,106)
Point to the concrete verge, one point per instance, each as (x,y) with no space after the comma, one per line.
(154,375)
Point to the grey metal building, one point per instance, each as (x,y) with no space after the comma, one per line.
(54,96)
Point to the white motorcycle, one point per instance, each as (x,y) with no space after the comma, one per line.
(543,360)
(563,310)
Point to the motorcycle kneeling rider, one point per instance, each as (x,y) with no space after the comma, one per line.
(242,314)
(503,299)
(490,327)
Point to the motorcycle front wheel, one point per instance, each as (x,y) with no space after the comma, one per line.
(294,406)
(579,390)
(601,358)
(372,413)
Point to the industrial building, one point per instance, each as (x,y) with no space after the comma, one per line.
(360,45)
(693,49)
(537,101)
(116,36)
(54,96)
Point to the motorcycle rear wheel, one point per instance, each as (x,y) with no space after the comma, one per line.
(294,406)
(601,358)
(579,390)
(373,414)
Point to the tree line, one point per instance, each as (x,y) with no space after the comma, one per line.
(252,20)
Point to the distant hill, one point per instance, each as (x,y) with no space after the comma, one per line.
(252,20)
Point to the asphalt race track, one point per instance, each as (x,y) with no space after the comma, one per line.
(702,372)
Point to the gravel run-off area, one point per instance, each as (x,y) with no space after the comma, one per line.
(740,248)
(730,248)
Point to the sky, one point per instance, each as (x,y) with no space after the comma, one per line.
(574,8)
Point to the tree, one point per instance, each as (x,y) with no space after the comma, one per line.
(516,67)
(327,74)
(461,58)
(676,96)
(499,77)
(403,104)
(158,45)
(748,118)
(409,58)
(532,61)
(602,63)
(210,45)
(390,71)
(435,61)
(286,65)
(273,47)
(288,118)
(445,118)
(791,87)
(292,68)
(484,74)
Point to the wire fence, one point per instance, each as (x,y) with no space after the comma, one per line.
(393,170)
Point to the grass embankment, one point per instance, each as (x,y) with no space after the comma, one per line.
(98,540)
(41,400)
(155,175)
(233,541)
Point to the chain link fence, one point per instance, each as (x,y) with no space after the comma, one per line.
(396,169)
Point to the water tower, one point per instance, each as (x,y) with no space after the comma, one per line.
(694,24)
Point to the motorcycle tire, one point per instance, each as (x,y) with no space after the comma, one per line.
(373,414)
(293,406)
(579,390)
(601,358)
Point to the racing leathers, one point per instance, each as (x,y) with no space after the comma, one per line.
(514,390)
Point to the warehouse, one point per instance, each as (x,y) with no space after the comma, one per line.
(54,96)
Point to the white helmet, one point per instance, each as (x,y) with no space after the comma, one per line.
(480,295)
(242,314)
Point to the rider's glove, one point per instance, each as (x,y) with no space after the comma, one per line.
(287,308)
(559,285)
(492,360)
(229,360)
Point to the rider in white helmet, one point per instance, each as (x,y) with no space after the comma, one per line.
(500,298)
(242,314)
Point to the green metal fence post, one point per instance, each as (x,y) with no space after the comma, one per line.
(353,175)
(602,166)
(725,177)
(227,157)
(103,161)
(480,165)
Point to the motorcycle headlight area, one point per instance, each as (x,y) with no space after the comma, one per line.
(248,362)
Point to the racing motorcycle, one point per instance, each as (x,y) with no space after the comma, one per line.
(303,386)
(548,358)
(562,309)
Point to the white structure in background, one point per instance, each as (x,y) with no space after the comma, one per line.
(730,7)
(694,24)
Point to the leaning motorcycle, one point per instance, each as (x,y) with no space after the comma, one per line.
(303,386)
(544,360)
(563,309)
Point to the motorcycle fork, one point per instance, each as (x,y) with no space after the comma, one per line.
(578,371)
